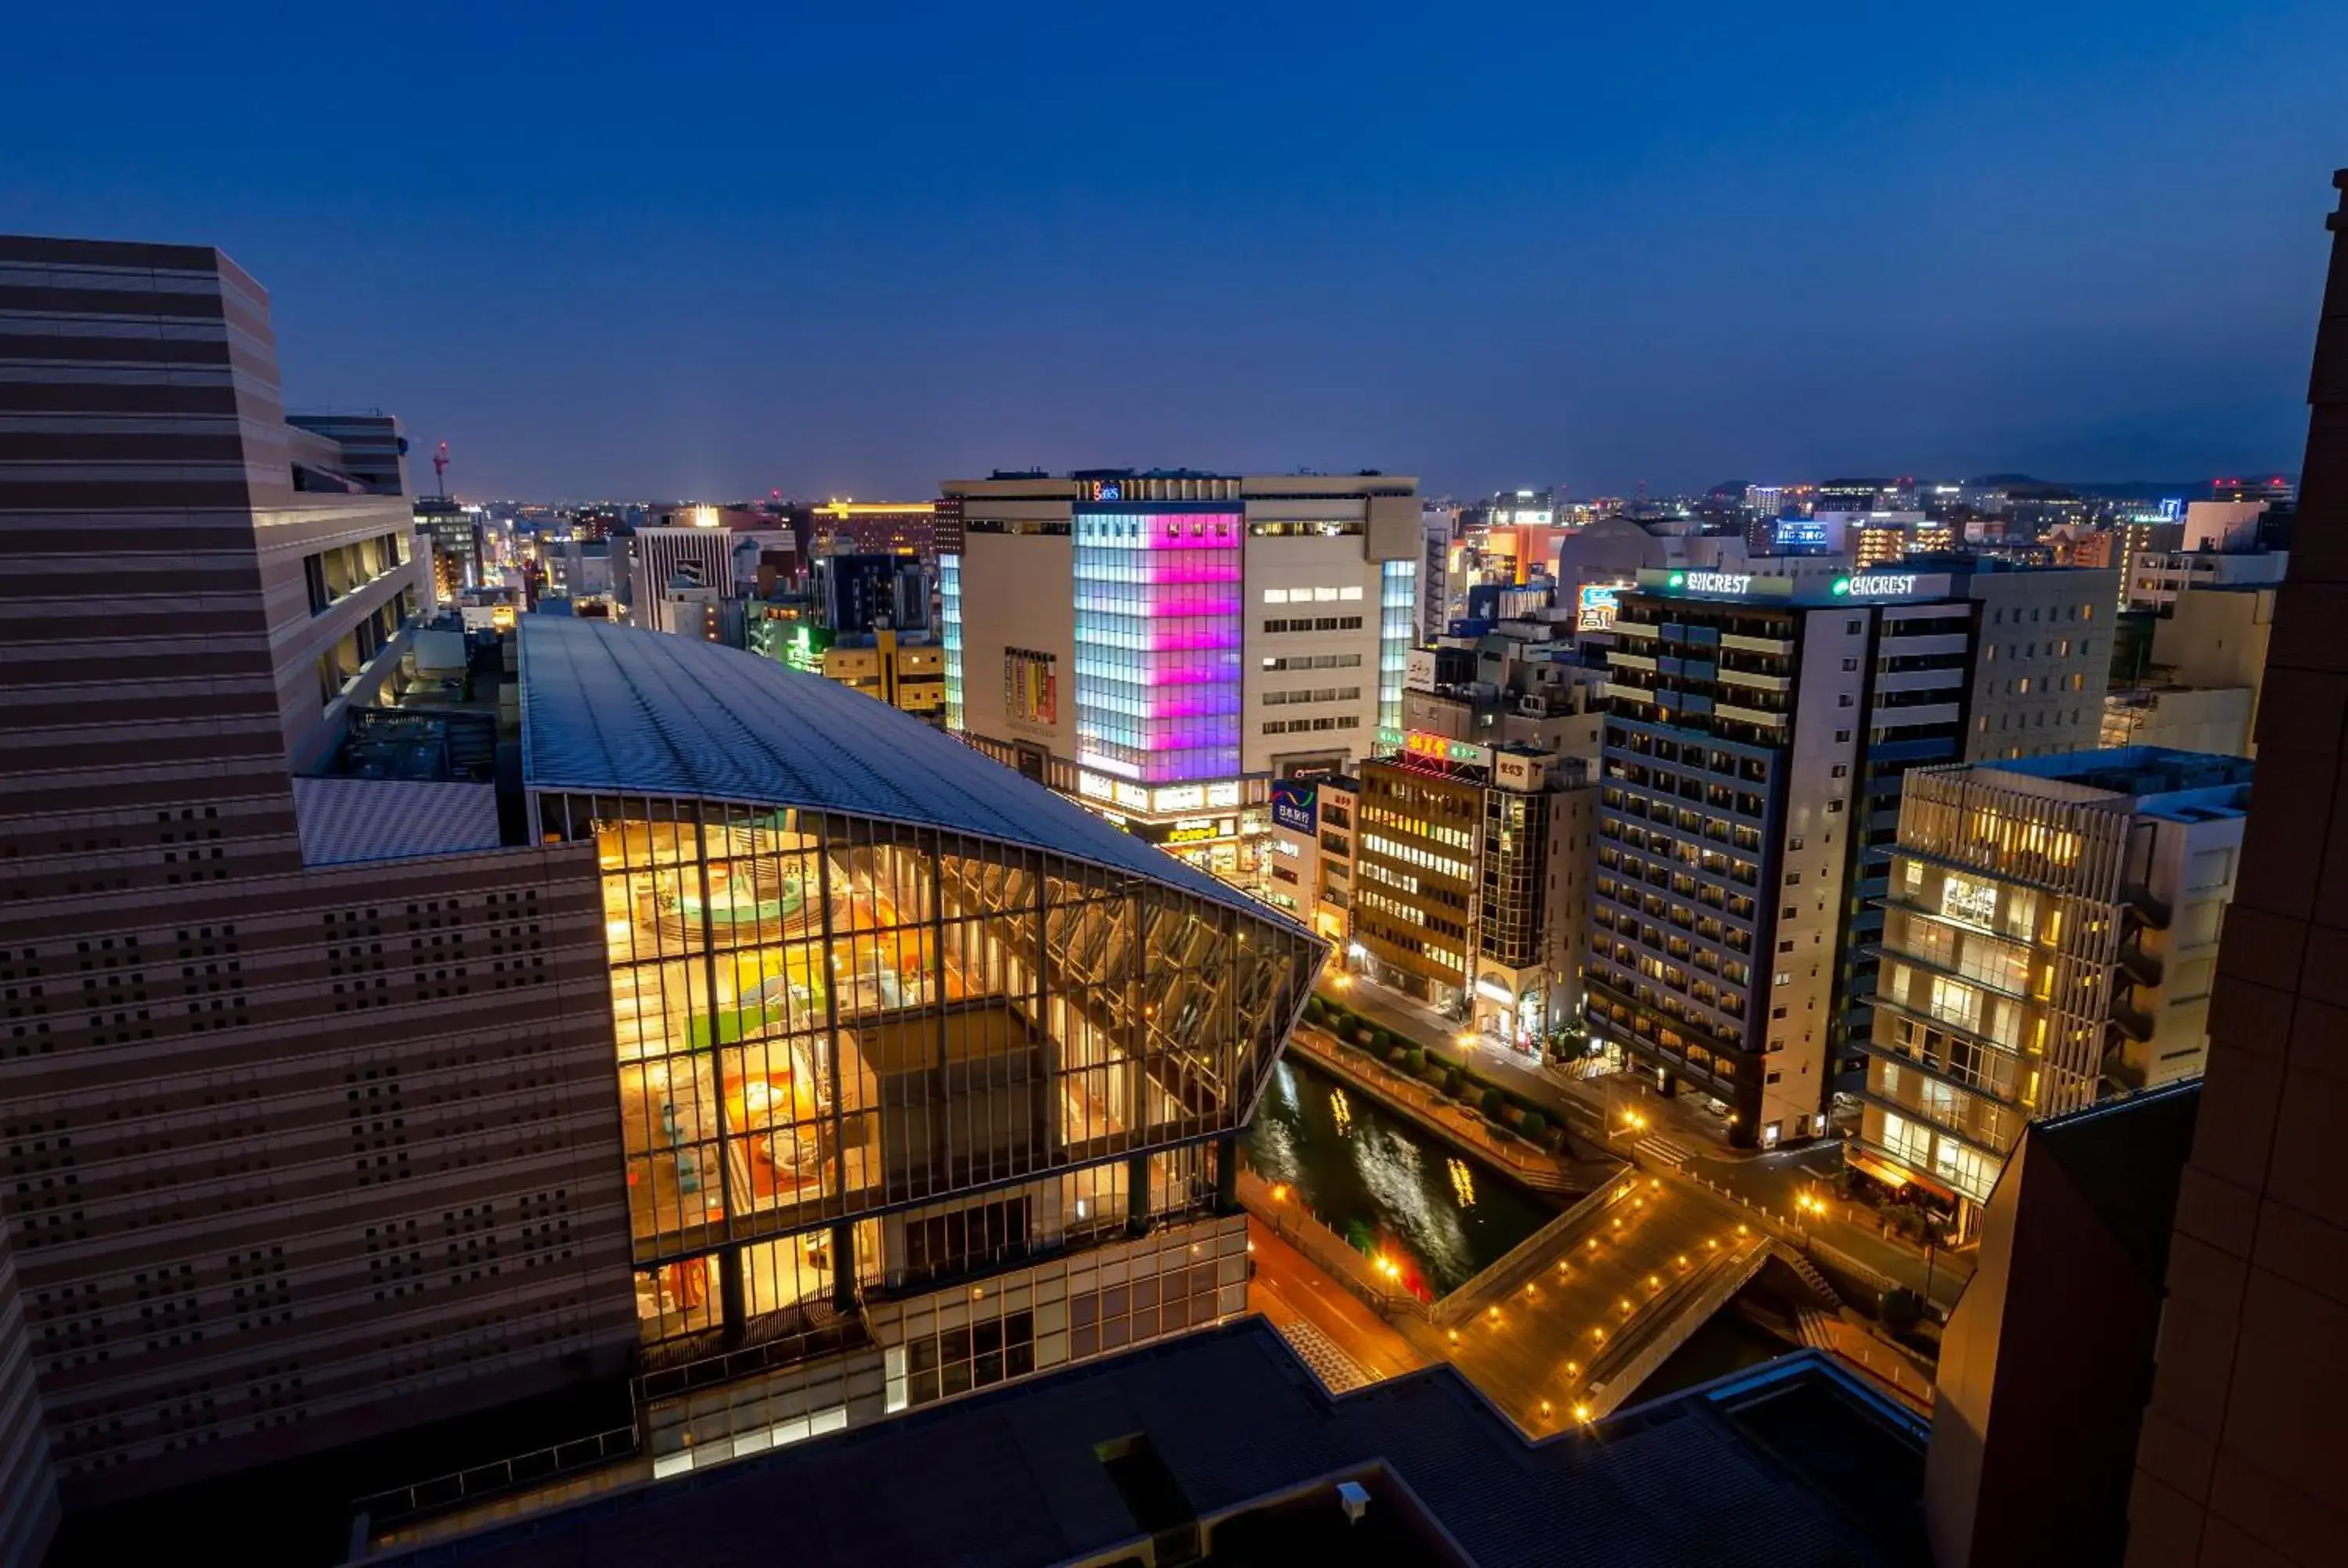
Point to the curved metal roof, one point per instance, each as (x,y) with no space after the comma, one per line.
(617,710)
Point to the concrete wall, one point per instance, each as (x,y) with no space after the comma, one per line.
(1287,565)
(1808,896)
(1019,591)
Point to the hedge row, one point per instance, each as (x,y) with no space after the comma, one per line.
(1500,1104)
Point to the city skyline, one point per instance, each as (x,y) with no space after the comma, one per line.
(1678,257)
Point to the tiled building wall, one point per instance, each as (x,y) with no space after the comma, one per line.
(282,1162)
(28,1490)
(285,1148)
(2239,1461)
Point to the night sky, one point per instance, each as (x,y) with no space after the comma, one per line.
(853,249)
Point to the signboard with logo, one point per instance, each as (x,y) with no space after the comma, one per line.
(1891,585)
(1296,805)
(1443,749)
(1594,606)
(1031,686)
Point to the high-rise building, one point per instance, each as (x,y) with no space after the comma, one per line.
(2275,489)
(2203,672)
(1469,886)
(857,594)
(2219,545)
(1162,645)
(664,558)
(878,528)
(1758,732)
(1311,856)
(1441,524)
(2050,934)
(2238,1459)
(306,1050)
(458,539)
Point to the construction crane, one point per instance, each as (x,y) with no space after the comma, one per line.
(440,469)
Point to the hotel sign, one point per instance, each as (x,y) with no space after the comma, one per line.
(1877,584)
(1713,581)
(1892,585)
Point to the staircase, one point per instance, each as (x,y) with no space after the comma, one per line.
(1809,1274)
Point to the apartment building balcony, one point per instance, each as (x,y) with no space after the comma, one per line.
(2139,966)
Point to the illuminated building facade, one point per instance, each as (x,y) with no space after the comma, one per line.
(458,540)
(907,1048)
(1758,732)
(878,528)
(2052,930)
(1469,883)
(1162,645)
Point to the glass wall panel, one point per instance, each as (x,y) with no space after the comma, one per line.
(822,1016)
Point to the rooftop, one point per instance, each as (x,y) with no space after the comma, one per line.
(1792,1462)
(2136,770)
(613,709)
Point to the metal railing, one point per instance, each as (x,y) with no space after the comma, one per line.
(1688,1307)
(532,1469)
(1443,1114)
(1337,1259)
(1503,1273)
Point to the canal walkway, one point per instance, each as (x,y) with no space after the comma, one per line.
(1843,1238)
(1533,1167)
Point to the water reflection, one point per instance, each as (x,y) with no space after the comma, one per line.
(1387,1186)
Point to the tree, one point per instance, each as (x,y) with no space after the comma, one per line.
(1414,1060)
(1899,1310)
(1494,1103)
(1533,1125)
(1316,1010)
(1451,1081)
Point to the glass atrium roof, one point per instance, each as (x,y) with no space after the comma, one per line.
(618,710)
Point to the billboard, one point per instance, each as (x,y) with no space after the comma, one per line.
(1594,607)
(1296,805)
(1031,686)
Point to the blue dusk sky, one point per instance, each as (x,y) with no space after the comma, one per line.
(711,250)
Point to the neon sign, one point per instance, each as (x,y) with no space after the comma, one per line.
(1877,584)
(1713,581)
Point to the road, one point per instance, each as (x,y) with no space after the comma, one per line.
(1676,1133)
(1287,1288)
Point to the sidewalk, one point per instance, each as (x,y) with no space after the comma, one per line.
(1286,1287)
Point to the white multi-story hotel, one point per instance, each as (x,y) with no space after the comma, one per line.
(1161,645)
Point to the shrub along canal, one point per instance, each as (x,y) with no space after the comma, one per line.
(1384,1184)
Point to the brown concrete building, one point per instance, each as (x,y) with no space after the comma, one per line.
(2240,1461)
(305,1089)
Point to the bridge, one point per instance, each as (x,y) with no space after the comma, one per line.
(1567,1326)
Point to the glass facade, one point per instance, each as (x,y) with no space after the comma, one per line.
(1398,619)
(1158,632)
(856,1055)
(950,618)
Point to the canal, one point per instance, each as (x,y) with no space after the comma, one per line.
(1383,1183)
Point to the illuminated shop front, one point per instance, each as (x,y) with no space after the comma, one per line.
(899,1018)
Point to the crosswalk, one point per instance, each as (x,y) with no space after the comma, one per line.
(1664,1152)
(1337,1371)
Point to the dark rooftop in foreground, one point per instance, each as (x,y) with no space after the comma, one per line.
(1790,1465)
